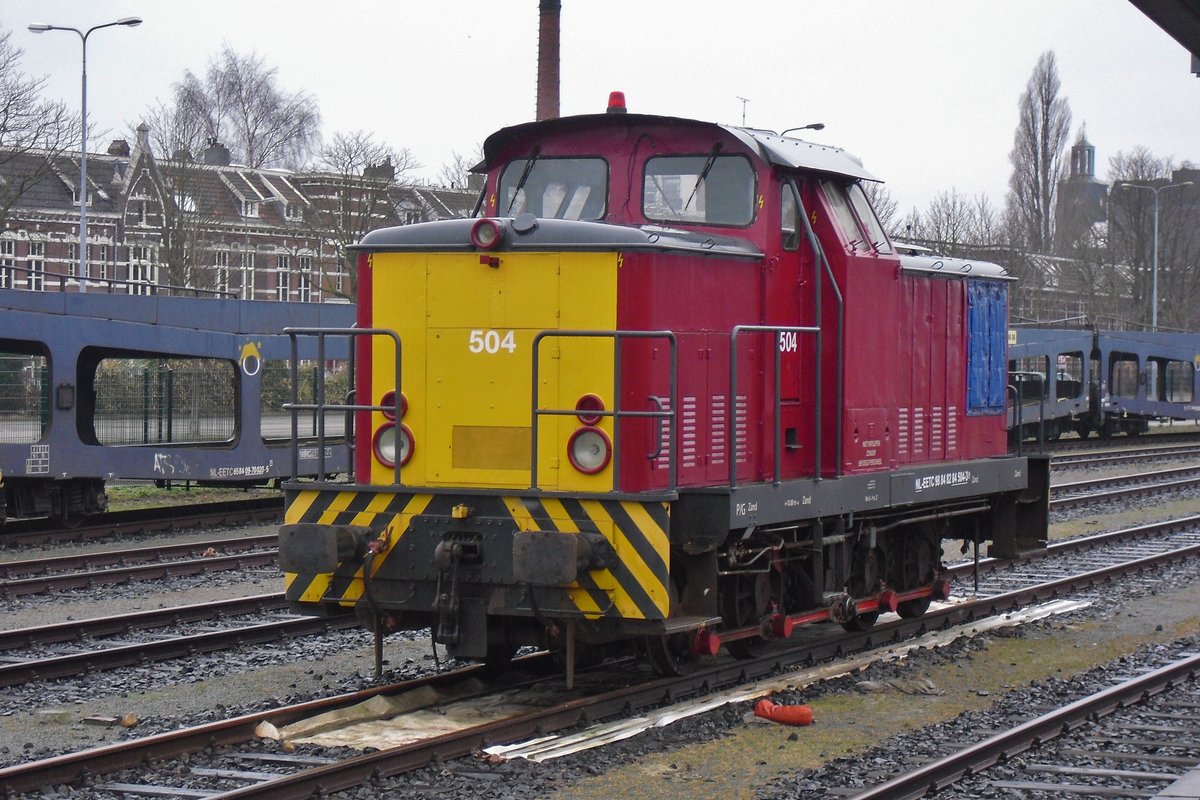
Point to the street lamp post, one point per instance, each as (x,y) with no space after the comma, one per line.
(1154,262)
(815,126)
(40,27)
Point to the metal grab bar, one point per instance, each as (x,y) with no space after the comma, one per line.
(818,252)
(733,381)
(320,407)
(617,413)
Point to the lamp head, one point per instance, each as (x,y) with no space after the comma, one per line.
(40,27)
(131,22)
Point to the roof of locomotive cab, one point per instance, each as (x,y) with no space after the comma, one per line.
(774,149)
(529,233)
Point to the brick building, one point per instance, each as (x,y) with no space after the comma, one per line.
(199,225)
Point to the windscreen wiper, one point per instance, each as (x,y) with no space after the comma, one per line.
(712,157)
(533,157)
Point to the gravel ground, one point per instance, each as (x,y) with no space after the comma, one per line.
(45,718)
(679,761)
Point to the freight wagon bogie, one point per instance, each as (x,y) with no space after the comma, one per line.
(674,388)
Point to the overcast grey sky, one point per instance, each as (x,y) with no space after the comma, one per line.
(924,91)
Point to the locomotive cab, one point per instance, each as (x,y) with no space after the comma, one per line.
(674,386)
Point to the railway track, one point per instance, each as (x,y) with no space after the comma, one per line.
(1131,739)
(85,570)
(23,533)
(130,640)
(1097,490)
(1108,557)
(1147,440)
(1128,455)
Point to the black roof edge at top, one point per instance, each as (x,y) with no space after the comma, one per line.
(503,136)
(772,148)
(554,234)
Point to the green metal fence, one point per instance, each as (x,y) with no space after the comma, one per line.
(24,398)
(154,401)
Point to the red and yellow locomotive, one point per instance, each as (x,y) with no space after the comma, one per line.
(672,384)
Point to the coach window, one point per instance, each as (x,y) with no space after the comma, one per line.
(789,223)
(555,188)
(1068,376)
(1123,375)
(866,215)
(703,190)
(1177,378)
(839,206)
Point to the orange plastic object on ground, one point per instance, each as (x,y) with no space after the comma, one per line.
(787,715)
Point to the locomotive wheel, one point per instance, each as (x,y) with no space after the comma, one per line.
(498,659)
(69,521)
(864,580)
(861,622)
(744,602)
(917,570)
(911,609)
(670,655)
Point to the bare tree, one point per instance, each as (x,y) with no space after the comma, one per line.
(886,207)
(1131,238)
(355,188)
(457,171)
(1037,156)
(34,133)
(955,225)
(240,103)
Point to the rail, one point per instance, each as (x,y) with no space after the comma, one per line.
(320,407)
(617,413)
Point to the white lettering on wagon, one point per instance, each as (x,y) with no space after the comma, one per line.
(958,477)
(38,462)
(246,471)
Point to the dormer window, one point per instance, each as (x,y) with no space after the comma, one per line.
(293,211)
(75,197)
(250,208)
(185,203)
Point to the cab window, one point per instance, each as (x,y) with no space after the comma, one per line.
(866,215)
(555,188)
(789,219)
(843,216)
(704,190)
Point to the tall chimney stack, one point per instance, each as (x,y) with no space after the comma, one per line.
(548,34)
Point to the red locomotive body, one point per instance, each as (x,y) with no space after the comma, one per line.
(674,383)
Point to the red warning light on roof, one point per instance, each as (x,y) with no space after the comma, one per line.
(616,103)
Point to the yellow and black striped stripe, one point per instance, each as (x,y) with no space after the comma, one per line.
(634,585)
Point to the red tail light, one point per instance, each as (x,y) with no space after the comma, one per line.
(589,403)
(388,401)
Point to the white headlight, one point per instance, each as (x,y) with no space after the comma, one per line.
(589,450)
(387,440)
